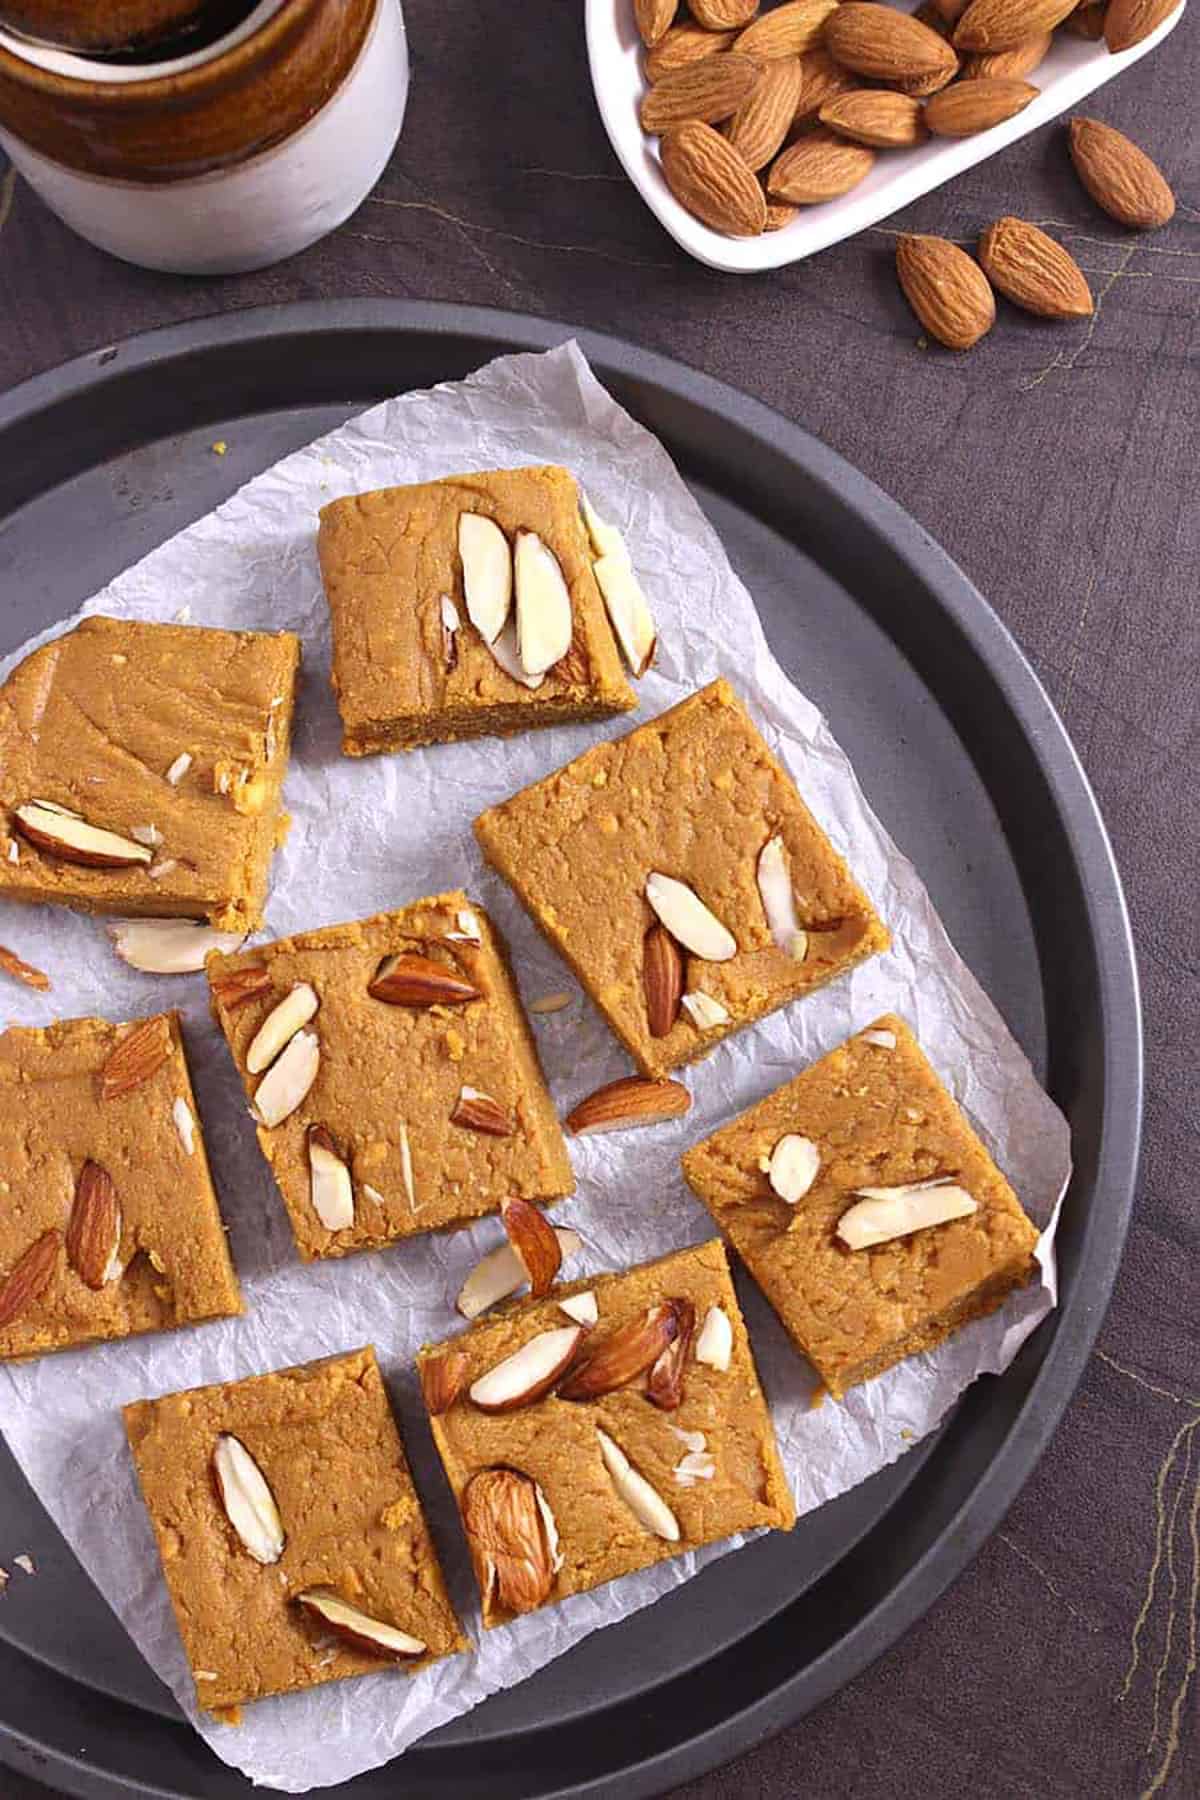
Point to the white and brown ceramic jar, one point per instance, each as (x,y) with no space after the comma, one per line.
(214,159)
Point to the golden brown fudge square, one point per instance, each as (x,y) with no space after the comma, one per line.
(427,1105)
(599,1477)
(108,1224)
(689,811)
(290,1531)
(876,1117)
(409,666)
(141,768)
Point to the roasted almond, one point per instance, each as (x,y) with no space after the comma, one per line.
(652,18)
(29,1277)
(970,106)
(520,1379)
(786,30)
(883,43)
(1127,22)
(1087,21)
(621,1355)
(501,1272)
(921,86)
(358,1629)
(237,986)
(630,1101)
(412,980)
(1119,176)
(134,1058)
(442,1379)
(707,91)
(779,215)
(506,1523)
(947,290)
(878,117)
(69,837)
(477,1111)
(763,120)
(820,79)
(1015,64)
(819,166)
(683,45)
(664,1384)
(535,1241)
(94,1228)
(1034,271)
(1003,24)
(20,970)
(722,15)
(662,979)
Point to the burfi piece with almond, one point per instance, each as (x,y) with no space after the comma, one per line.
(141,768)
(683,878)
(392,1074)
(603,1428)
(292,1540)
(466,607)
(109,1224)
(866,1207)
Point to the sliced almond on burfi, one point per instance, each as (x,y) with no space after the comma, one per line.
(247,1498)
(487,566)
(358,1628)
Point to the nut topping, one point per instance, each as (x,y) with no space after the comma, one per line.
(664,1385)
(476,1111)
(411,980)
(704,1012)
(882,1040)
(544,624)
(94,1228)
(581,1307)
(662,978)
(406,1167)
(280,1026)
(535,1241)
(501,1273)
(468,928)
(179,768)
(239,985)
(448,613)
(330,1187)
(550,1003)
(505,652)
(507,1530)
(134,1058)
(442,1380)
(357,1628)
(29,1277)
(646,1505)
(714,1341)
(628,611)
(20,970)
(885,1213)
(170,946)
(688,920)
(779,904)
(606,539)
(621,1355)
(631,1100)
(792,1167)
(696,1465)
(529,1372)
(287,1081)
(487,574)
(69,836)
(185,1125)
(248,1501)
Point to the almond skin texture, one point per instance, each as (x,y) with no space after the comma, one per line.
(946,289)
(683,45)
(664,1384)
(535,1241)
(94,1230)
(972,106)
(1127,22)
(630,1100)
(135,1058)
(1033,271)
(761,122)
(442,1379)
(722,15)
(709,178)
(883,43)
(1016,63)
(820,80)
(779,215)
(662,978)
(240,985)
(818,167)
(621,1355)
(504,1528)
(876,117)
(14,965)
(1003,24)
(29,1277)
(1119,176)
(652,18)
(411,980)
(1087,21)
(710,91)
(786,30)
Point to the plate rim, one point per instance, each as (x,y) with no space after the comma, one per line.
(1050,1373)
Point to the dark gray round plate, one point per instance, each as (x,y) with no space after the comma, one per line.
(961,754)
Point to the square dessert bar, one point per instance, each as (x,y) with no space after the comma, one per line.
(292,1541)
(393,1074)
(600,1429)
(683,878)
(443,632)
(141,767)
(108,1220)
(865,1207)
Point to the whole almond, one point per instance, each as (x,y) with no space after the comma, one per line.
(1003,24)
(1034,271)
(920,86)
(535,1241)
(876,117)
(817,167)
(629,1101)
(1016,63)
(970,106)
(506,1530)
(238,986)
(652,18)
(94,1230)
(621,1355)
(134,1058)
(786,30)
(946,289)
(762,121)
(664,1384)
(707,175)
(477,1111)
(683,45)
(1087,21)
(881,42)
(721,15)
(1119,176)
(1127,22)
(820,80)
(412,980)
(662,979)
(29,1277)
(20,970)
(779,215)
(442,1379)
(710,91)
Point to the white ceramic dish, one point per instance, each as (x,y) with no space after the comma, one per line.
(1073,69)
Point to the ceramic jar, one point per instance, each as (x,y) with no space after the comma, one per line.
(228,158)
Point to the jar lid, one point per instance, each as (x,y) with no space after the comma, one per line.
(107,26)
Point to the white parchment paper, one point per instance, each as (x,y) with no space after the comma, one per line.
(375,833)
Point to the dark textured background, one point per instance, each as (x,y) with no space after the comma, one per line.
(1059,465)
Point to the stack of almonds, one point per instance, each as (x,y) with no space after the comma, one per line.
(759,114)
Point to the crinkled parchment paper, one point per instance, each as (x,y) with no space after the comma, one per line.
(375,833)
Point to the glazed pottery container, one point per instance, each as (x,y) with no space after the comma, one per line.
(228,158)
